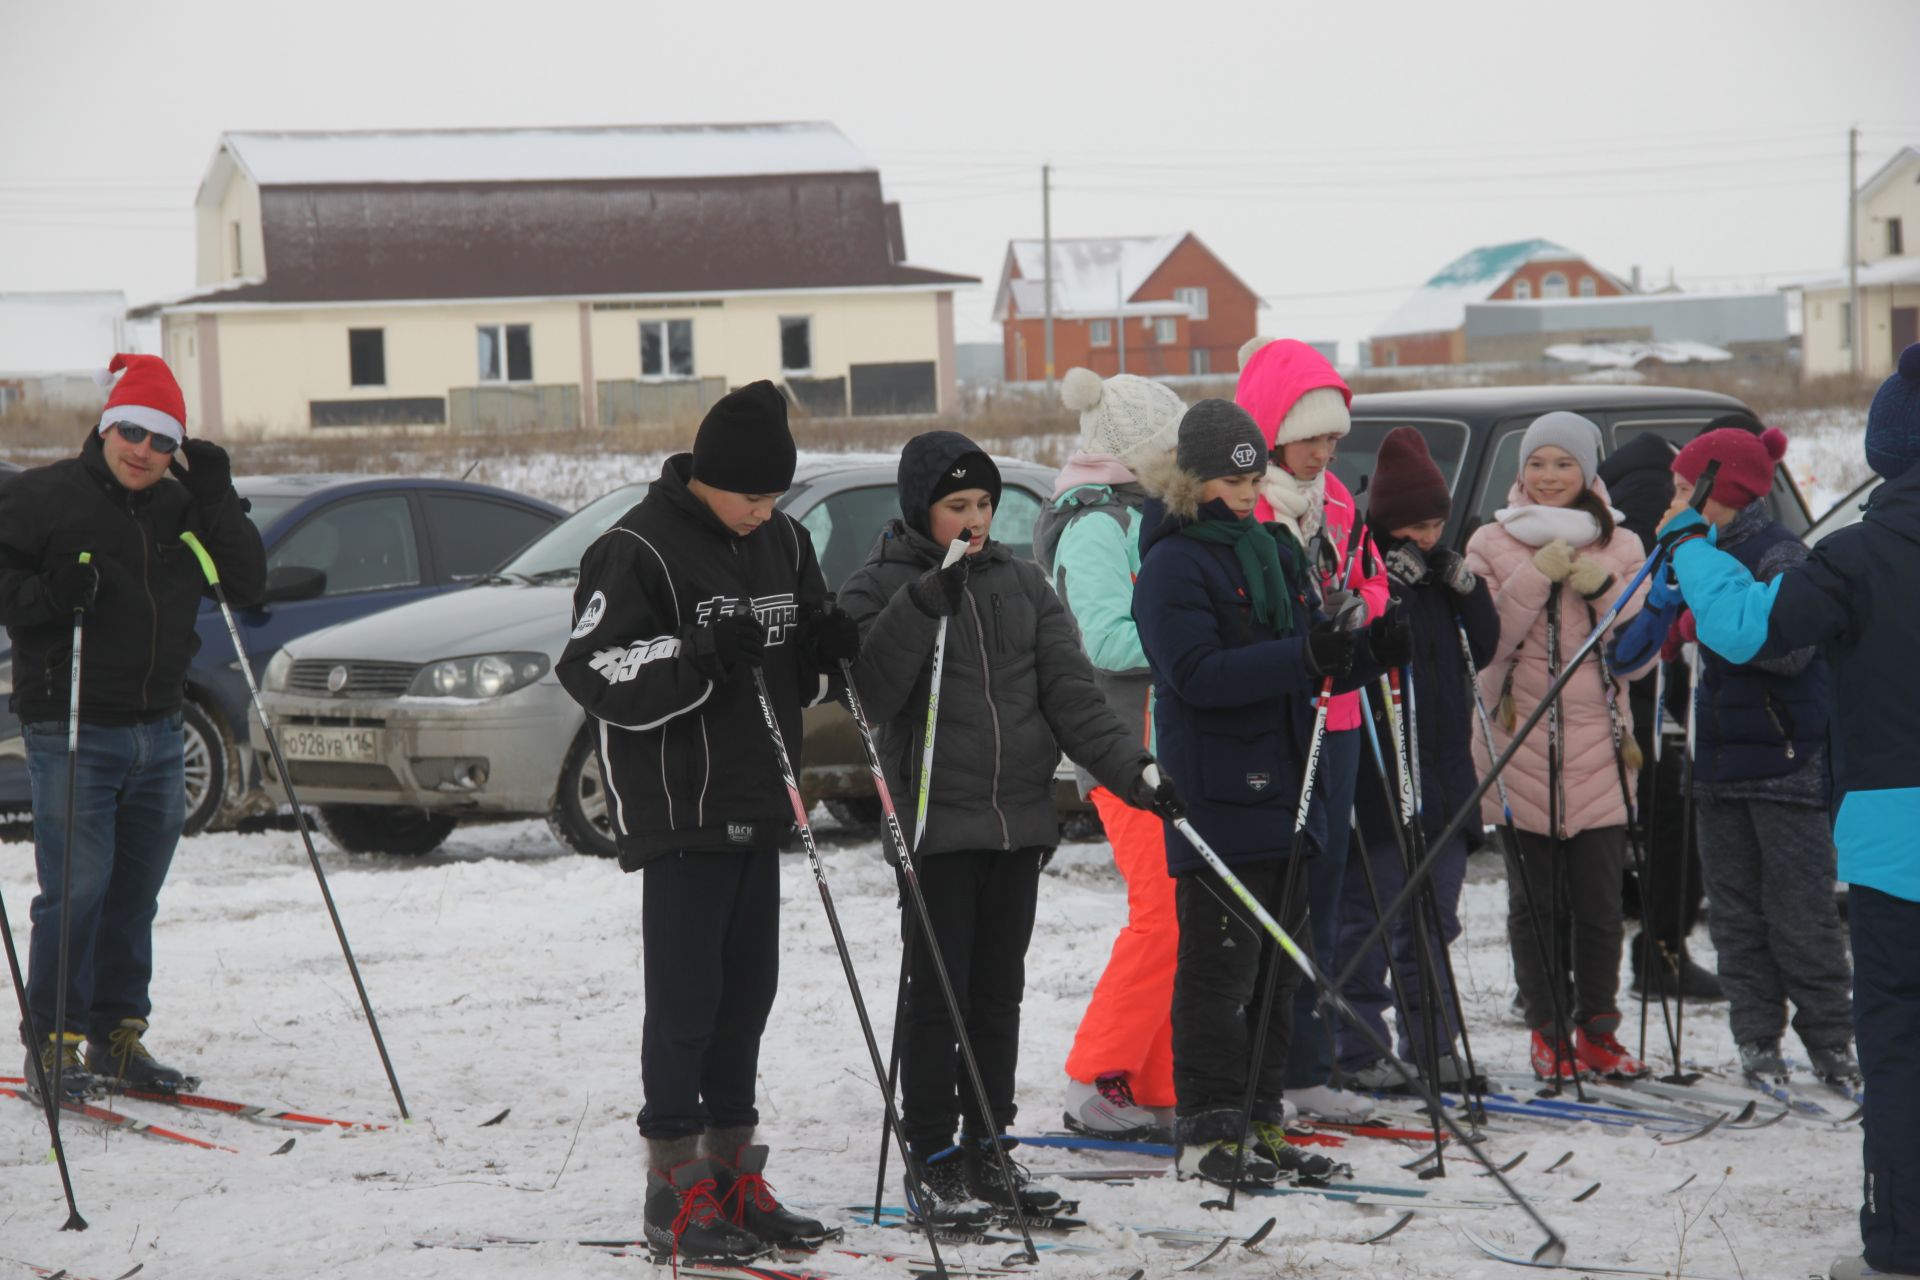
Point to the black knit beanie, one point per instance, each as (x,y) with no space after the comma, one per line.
(743,445)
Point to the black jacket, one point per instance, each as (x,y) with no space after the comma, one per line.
(1639,478)
(688,763)
(140,634)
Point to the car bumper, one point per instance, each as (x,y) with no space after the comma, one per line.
(497,756)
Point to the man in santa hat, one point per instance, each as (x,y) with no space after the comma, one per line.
(97,538)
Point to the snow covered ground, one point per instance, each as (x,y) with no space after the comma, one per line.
(506,974)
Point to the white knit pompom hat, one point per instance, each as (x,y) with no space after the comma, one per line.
(1123,417)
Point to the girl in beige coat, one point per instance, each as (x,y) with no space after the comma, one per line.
(1555,559)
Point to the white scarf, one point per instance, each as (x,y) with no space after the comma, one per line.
(1302,508)
(1537,525)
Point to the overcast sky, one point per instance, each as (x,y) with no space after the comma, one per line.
(1334,154)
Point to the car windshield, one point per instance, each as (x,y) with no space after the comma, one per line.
(556,554)
(266,508)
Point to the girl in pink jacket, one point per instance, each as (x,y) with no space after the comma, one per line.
(1558,554)
(1301,406)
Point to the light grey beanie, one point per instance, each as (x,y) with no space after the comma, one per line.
(1219,438)
(1124,417)
(1569,431)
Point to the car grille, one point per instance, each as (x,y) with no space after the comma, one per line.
(363,679)
(343,774)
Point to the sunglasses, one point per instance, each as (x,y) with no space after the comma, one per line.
(134,435)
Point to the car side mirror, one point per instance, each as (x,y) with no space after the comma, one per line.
(293,582)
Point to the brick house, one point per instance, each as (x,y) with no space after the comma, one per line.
(1158,306)
(1430,326)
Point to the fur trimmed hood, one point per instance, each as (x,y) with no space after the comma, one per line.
(1178,490)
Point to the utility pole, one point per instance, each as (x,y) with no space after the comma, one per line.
(1854,327)
(1120,319)
(1046,249)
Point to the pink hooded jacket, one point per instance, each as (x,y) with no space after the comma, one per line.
(1590,777)
(1274,379)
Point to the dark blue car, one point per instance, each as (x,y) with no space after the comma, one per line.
(338,547)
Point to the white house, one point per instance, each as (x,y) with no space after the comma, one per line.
(553,278)
(1888,206)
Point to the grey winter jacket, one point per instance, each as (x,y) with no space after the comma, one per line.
(1016,689)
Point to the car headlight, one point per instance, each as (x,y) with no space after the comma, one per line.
(275,676)
(487,675)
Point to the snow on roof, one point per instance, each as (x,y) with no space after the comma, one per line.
(1630,355)
(1030,298)
(44,333)
(544,155)
(1440,305)
(1887,271)
(1090,275)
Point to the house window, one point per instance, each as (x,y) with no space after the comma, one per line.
(233,234)
(1846,326)
(796,344)
(367,357)
(1166,332)
(666,348)
(1100,333)
(1199,360)
(506,353)
(1896,242)
(1588,288)
(1522,290)
(1553,285)
(1196,300)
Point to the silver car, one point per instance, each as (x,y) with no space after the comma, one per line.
(398,725)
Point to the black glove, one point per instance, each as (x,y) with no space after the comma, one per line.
(937,592)
(208,474)
(1153,791)
(1390,639)
(1449,568)
(71,588)
(1406,566)
(1329,650)
(828,637)
(716,648)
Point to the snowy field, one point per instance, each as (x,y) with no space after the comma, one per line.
(506,974)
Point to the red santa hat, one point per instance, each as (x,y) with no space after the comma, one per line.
(145,396)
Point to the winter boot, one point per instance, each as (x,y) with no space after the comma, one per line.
(119,1059)
(1834,1066)
(684,1218)
(1452,1073)
(1554,1059)
(1856,1268)
(1761,1063)
(987,1179)
(1378,1076)
(75,1081)
(1106,1109)
(1323,1102)
(937,1191)
(1601,1053)
(1297,1165)
(1211,1150)
(748,1201)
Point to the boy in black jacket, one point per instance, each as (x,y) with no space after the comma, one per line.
(678,603)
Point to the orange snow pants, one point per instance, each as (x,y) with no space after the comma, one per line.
(1128,1026)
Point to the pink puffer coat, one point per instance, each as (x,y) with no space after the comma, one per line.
(1591,779)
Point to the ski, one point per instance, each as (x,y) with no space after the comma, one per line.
(1800,1100)
(1852,1090)
(1172,1236)
(225,1106)
(1557,1111)
(1386,1197)
(1749,1115)
(61,1273)
(1493,1251)
(126,1123)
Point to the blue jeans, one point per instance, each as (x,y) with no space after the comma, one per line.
(131,800)
(1310,1057)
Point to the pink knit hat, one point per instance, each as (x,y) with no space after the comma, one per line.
(1290,390)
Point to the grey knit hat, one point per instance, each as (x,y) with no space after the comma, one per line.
(1219,438)
(1569,431)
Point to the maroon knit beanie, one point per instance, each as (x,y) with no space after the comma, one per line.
(1406,487)
(1746,462)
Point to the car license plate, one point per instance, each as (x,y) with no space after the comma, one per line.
(329,744)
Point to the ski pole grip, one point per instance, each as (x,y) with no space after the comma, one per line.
(86,557)
(1703,487)
(200,554)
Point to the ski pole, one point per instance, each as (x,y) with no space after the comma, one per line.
(212,573)
(785,761)
(1644,872)
(66,868)
(1553,1249)
(1687,840)
(900,991)
(1700,494)
(38,1071)
(1559,940)
(955,550)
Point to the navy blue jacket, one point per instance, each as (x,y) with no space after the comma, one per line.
(1443,710)
(1233,699)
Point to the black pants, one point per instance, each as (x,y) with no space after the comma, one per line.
(1224,959)
(1675,886)
(1587,926)
(711,936)
(982,906)
(1886,1017)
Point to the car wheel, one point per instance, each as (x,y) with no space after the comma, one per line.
(855,811)
(579,819)
(204,756)
(380,828)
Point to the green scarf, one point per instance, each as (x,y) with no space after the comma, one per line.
(1258,548)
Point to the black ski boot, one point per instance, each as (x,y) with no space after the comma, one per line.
(748,1200)
(987,1180)
(76,1083)
(1761,1063)
(1307,1168)
(683,1215)
(937,1191)
(1835,1066)
(119,1060)
(1209,1150)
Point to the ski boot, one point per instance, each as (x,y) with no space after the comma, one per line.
(748,1201)
(1209,1151)
(1604,1055)
(1761,1063)
(1324,1102)
(119,1060)
(987,1179)
(938,1195)
(1106,1109)
(1835,1067)
(1554,1060)
(1378,1076)
(684,1218)
(76,1083)
(1296,1164)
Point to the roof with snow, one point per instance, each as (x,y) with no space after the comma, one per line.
(1631,355)
(1090,275)
(1872,275)
(1440,305)
(1887,170)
